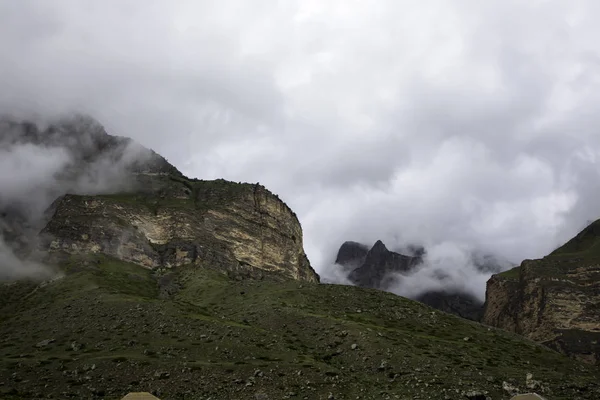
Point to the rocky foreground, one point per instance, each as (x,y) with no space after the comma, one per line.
(109,327)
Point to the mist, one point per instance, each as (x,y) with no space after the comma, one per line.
(462,124)
(43,161)
(450,268)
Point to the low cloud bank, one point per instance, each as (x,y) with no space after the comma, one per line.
(44,160)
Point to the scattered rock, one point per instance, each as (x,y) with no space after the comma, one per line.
(45,343)
(532,384)
(162,375)
(474,395)
(510,389)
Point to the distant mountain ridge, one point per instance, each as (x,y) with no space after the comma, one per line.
(380,268)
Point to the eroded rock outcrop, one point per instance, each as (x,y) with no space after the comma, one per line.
(241,228)
(554,300)
(117,198)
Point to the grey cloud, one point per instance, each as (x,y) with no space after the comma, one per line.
(460,124)
(12,267)
(44,161)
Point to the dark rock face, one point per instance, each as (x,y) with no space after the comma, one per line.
(378,264)
(554,300)
(352,254)
(86,143)
(116,198)
(380,268)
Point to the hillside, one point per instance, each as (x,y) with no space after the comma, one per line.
(109,327)
(110,195)
(554,300)
(196,289)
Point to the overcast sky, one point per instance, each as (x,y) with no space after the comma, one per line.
(474,123)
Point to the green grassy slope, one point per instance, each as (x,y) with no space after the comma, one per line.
(108,328)
(585,245)
(512,273)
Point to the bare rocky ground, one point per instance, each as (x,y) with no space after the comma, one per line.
(109,327)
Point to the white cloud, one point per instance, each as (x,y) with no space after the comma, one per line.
(466,122)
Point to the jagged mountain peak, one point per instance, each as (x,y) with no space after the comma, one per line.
(371,267)
(379,247)
(381,268)
(350,252)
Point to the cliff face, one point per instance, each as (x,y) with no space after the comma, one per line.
(554,300)
(241,228)
(79,158)
(377,265)
(351,254)
(119,199)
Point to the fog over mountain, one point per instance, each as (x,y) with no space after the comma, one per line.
(42,160)
(458,125)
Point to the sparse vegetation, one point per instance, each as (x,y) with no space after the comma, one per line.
(511,273)
(103,330)
(585,245)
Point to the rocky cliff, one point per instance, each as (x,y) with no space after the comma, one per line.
(376,267)
(554,300)
(119,199)
(241,228)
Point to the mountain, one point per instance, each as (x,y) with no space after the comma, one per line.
(116,198)
(110,327)
(193,289)
(377,265)
(352,254)
(380,268)
(67,155)
(554,300)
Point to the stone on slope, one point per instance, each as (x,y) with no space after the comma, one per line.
(528,396)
